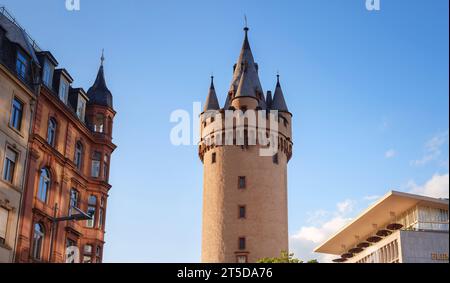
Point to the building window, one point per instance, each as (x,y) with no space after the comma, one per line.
(275,158)
(241,259)
(100,218)
(4,213)
(51,132)
(47,74)
(78,155)
(87,254)
(70,254)
(95,167)
(98,254)
(241,183)
(81,108)
(16,114)
(92,205)
(9,166)
(63,91)
(106,167)
(242,212)
(99,125)
(21,65)
(213,157)
(74,200)
(38,239)
(242,243)
(44,185)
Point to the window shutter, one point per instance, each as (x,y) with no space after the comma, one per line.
(11,155)
(3,222)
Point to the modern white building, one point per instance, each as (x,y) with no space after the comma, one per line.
(399,228)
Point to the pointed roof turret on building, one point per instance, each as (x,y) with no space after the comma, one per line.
(278,98)
(99,93)
(212,103)
(246,72)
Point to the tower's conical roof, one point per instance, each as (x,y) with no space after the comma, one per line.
(269,100)
(278,102)
(99,93)
(212,102)
(245,80)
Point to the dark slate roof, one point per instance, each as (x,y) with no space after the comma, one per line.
(269,100)
(245,78)
(278,102)
(99,93)
(17,35)
(212,103)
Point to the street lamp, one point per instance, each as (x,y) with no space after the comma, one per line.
(79,216)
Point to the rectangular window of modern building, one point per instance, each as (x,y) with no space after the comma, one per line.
(242,212)
(9,165)
(242,182)
(16,114)
(21,65)
(242,243)
(4,213)
(213,157)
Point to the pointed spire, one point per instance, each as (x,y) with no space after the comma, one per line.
(278,102)
(99,93)
(102,59)
(212,102)
(245,69)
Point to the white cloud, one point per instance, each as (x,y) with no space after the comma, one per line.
(437,186)
(345,206)
(303,242)
(390,153)
(433,149)
(371,198)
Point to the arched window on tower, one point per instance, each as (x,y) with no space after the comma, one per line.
(99,123)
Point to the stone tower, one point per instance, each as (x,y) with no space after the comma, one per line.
(245,193)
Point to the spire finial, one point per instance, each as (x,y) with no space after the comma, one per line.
(246,24)
(212,81)
(278,76)
(102,59)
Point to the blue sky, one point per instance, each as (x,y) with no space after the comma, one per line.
(368,90)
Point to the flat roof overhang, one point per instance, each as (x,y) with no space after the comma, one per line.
(380,215)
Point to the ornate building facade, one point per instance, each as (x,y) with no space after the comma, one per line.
(55,148)
(245,194)
(18,68)
(70,150)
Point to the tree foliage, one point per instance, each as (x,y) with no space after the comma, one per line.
(284,257)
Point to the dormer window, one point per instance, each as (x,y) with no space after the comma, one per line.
(81,108)
(21,65)
(63,91)
(47,74)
